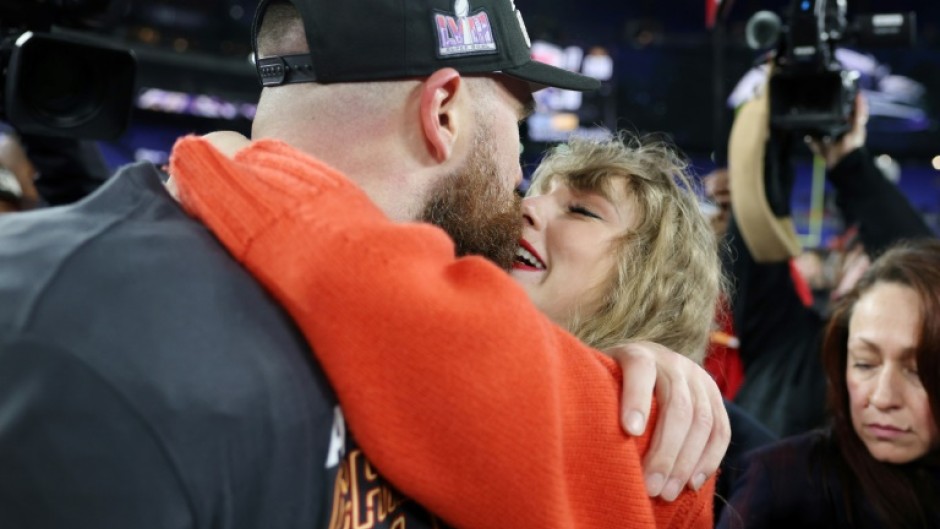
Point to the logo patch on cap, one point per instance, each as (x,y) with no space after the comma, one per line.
(463,33)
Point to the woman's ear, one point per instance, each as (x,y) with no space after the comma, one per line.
(440,112)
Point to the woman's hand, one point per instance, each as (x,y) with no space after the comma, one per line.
(692,432)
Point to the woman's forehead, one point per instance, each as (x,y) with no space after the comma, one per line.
(611,185)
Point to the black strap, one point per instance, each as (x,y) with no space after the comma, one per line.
(287,69)
(275,71)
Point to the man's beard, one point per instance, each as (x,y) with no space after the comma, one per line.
(475,210)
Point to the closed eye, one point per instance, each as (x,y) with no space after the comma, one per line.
(578,209)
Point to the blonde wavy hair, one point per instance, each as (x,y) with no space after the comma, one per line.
(668,277)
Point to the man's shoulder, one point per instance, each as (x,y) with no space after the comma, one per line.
(129,283)
(127,291)
(134,197)
(128,233)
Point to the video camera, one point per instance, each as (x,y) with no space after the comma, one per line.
(61,83)
(810,92)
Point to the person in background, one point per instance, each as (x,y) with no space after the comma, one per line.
(718,192)
(722,359)
(878,463)
(779,332)
(147,380)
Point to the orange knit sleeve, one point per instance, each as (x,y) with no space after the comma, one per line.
(459,390)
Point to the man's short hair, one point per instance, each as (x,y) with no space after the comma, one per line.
(281,30)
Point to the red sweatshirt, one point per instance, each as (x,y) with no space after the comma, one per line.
(460,391)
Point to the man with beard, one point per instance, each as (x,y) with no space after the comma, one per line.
(147,380)
(482,219)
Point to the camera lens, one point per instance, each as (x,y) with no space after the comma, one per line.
(63,85)
(68,88)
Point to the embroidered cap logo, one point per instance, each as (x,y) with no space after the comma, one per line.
(463,33)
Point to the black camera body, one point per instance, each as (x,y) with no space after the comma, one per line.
(62,83)
(811,94)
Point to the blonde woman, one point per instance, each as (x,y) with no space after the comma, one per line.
(627,254)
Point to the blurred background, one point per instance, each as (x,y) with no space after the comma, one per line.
(671,66)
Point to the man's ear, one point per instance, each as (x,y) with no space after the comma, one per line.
(440,112)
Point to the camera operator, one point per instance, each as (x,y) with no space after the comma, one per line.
(864,195)
(779,335)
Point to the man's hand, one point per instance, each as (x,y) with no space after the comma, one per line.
(692,433)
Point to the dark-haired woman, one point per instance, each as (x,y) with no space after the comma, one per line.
(878,464)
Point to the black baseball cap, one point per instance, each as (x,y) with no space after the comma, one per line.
(373,40)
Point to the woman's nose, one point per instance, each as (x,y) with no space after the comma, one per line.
(885,393)
(532,215)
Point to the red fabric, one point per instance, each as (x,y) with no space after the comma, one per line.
(722,360)
(801,286)
(711,13)
(461,392)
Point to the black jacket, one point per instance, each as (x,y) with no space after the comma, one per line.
(148,381)
(795,483)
